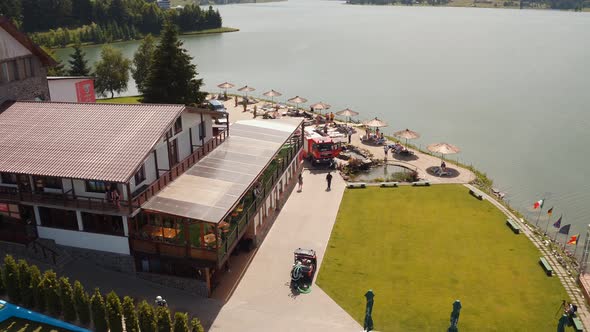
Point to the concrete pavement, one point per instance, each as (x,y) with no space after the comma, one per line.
(263,300)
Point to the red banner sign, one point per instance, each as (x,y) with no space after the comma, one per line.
(3,207)
(85,91)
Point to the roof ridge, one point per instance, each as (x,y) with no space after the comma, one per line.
(90,103)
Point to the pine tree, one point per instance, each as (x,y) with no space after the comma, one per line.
(67,299)
(51,293)
(172,77)
(196,325)
(24,284)
(36,288)
(10,275)
(99,313)
(114,312)
(131,322)
(146,316)
(163,320)
(82,303)
(181,322)
(78,62)
(112,72)
(142,60)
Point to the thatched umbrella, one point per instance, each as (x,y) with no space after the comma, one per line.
(348,113)
(246,89)
(320,106)
(298,100)
(375,123)
(407,134)
(225,86)
(272,94)
(443,148)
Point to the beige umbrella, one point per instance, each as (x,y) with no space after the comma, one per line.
(246,89)
(407,134)
(320,106)
(348,113)
(272,94)
(375,123)
(298,100)
(443,148)
(225,85)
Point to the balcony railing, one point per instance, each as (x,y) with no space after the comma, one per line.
(178,170)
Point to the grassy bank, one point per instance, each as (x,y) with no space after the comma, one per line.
(121,100)
(420,249)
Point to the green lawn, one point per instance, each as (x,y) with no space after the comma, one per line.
(421,248)
(21,325)
(121,100)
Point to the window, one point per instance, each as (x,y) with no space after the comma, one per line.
(140,175)
(104,224)
(9,210)
(64,219)
(173,153)
(28,62)
(13,68)
(96,186)
(8,178)
(4,74)
(178,125)
(42,182)
(169,133)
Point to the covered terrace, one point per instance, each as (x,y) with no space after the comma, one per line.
(205,212)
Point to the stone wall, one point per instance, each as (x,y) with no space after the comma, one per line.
(193,286)
(29,88)
(107,260)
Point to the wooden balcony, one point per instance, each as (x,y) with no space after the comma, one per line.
(172,250)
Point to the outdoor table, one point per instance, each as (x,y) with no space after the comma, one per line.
(168,233)
(209,238)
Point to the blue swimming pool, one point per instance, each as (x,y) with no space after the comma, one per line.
(9,311)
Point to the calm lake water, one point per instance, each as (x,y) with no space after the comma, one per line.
(510,87)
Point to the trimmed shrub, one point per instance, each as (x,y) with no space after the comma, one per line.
(51,293)
(24,284)
(181,322)
(67,299)
(163,320)
(99,313)
(196,325)
(147,317)
(11,283)
(37,289)
(114,312)
(131,322)
(81,303)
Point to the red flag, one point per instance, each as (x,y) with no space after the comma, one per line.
(574,239)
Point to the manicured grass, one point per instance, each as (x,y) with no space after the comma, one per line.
(421,248)
(21,325)
(121,100)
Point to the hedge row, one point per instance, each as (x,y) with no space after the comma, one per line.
(26,286)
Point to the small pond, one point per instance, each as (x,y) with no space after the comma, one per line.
(381,173)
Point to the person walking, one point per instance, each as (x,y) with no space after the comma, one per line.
(300,181)
(329,180)
(385,150)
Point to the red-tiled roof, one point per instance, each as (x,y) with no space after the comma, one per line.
(22,38)
(104,142)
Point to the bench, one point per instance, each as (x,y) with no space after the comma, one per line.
(475,194)
(513,225)
(421,183)
(353,185)
(389,184)
(577,324)
(546,266)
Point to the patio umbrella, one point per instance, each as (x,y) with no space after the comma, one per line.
(320,106)
(407,134)
(246,89)
(298,100)
(375,123)
(443,148)
(272,94)
(348,113)
(225,86)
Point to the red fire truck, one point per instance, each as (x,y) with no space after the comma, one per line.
(320,149)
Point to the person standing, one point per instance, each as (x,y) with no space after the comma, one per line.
(329,180)
(385,150)
(349,136)
(300,181)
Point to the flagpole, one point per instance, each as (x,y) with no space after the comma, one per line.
(548,222)
(576,249)
(540,210)
(566,236)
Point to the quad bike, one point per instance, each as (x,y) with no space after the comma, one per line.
(303,271)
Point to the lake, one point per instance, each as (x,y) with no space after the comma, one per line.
(509,87)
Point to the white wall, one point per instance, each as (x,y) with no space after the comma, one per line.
(101,242)
(10,47)
(64,89)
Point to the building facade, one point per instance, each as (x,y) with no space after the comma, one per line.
(23,66)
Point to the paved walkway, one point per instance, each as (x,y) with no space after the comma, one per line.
(263,300)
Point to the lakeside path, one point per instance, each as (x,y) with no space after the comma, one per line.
(421,161)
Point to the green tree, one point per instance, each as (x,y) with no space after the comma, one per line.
(99,313)
(78,62)
(172,77)
(10,275)
(57,70)
(38,299)
(24,284)
(82,303)
(142,60)
(131,322)
(2,287)
(181,322)
(51,293)
(163,320)
(11,9)
(147,317)
(114,312)
(112,72)
(196,325)
(67,299)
